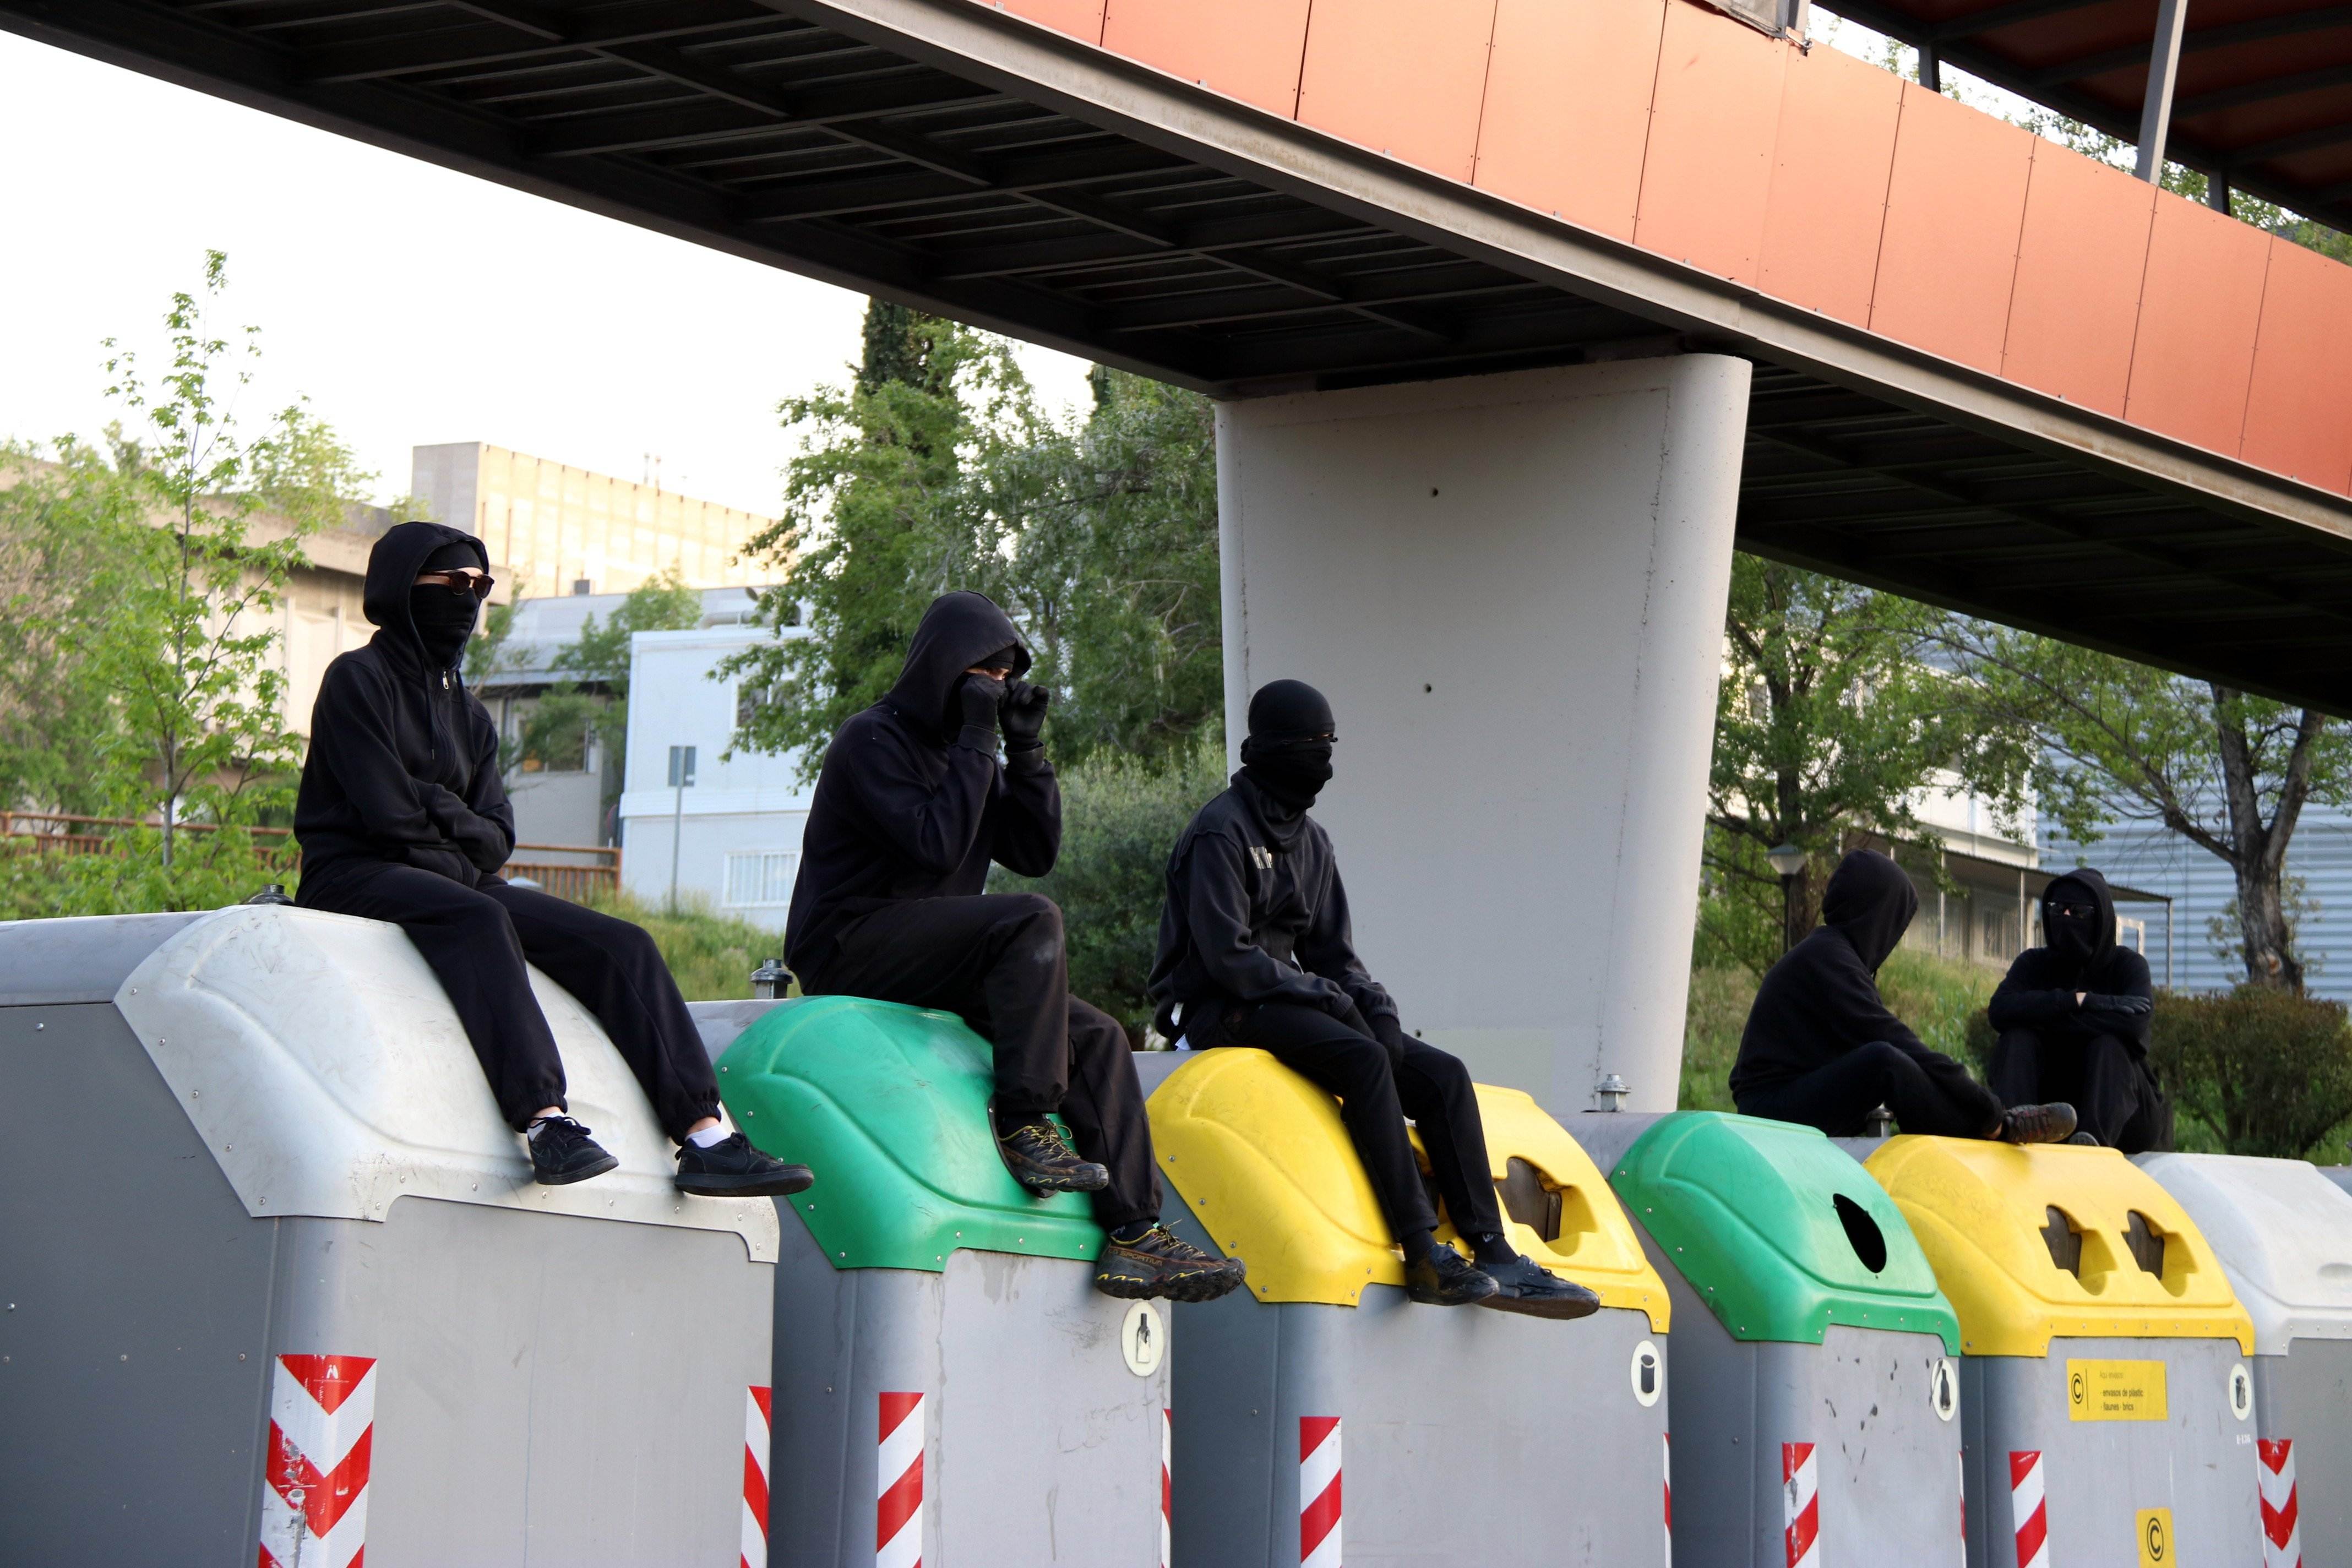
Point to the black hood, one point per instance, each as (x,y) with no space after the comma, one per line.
(956,630)
(392,566)
(2084,882)
(1870,902)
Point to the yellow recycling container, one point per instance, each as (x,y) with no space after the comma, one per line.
(1550,1436)
(2107,1399)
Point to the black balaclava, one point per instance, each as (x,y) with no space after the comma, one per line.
(1287,755)
(2083,940)
(443,618)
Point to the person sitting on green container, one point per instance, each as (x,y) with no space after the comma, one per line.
(1255,949)
(2072,1019)
(911,808)
(1821,1048)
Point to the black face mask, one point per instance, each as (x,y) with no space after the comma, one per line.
(1290,772)
(443,621)
(2072,936)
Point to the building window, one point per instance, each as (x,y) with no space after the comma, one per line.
(752,701)
(760,879)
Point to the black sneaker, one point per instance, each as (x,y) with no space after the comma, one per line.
(562,1153)
(1157,1264)
(1523,1287)
(1039,1155)
(2085,1139)
(1444,1277)
(2051,1123)
(731,1168)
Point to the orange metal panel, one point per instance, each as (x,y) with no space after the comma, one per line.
(1079,19)
(1829,167)
(1708,170)
(1402,77)
(1248,50)
(2299,410)
(2079,259)
(1954,209)
(2193,357)
(1568,106)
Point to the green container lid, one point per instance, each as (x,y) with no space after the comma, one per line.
(1780,1231)
(889,1105)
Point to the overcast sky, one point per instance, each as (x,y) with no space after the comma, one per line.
(412,305)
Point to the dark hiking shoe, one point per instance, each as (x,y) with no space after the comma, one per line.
(1522,1287)
(1039,1155)
(2051,1123)
(562,1153)
(731,1168)
(1445,1279)
(1157,1264)
(2085,1139)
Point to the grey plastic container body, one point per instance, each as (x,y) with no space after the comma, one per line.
(1462,1430)
(2340,1175)
(2099,1476)
(1041,1445)
(548,1387)
(2306,1397)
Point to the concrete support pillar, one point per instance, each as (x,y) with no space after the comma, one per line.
(1512,589)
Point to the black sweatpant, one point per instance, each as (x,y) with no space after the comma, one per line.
(1928,1091)
(997,961)
(1431,1086)
(478,940)
(2114,1096)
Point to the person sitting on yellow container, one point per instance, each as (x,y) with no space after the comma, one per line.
(1821,1048)
(1256,950)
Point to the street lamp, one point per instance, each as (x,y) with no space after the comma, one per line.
(1789,861)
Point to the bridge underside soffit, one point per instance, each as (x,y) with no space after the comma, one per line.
(752,129)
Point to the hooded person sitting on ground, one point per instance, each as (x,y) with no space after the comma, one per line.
(402,817)
(1256,950)
(911,808)
(1821,1048)
(2072,1019)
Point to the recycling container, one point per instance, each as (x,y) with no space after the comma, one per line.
(1816,1392)
(1320,1406)
(948,1383)
(275,1284)
(2105,1397)
(2284,1234)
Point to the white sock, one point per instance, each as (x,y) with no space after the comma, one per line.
(708,1136)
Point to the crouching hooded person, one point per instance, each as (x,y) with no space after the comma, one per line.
(2072,1019)
(912,806)
(1823,1050)
(1255,949)
(402,817)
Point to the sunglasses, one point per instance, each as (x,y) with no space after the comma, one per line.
(462,585)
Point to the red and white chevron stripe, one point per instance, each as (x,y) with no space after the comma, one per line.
(314,1481)
(899,1492)
(1670,1499)
(1318,1491)
(2281,1518)
(1167,1485)
(1801,1505)
(1964,1509)
(2028,1507)
(757,1421)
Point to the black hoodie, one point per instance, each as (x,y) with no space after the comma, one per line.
(1822,999)
(906,808)
(404,763)
(2038,992)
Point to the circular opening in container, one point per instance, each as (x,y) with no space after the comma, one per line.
(1868,1241)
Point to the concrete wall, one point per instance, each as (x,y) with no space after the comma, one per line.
(1512,589)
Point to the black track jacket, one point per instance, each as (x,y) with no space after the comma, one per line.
(2038,992)
(904,809)
(404,763)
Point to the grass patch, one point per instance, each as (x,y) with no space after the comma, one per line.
(711,956)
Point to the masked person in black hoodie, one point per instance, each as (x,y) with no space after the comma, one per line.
(1255,949)
(1820,1048)
(2073,1017)
(912,806)
(402,817)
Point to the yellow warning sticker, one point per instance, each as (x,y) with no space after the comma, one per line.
(2154,1527)
(2115,1391)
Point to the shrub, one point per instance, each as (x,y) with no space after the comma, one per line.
(711,956)
(2263,1071)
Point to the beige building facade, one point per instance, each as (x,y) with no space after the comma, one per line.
(550,527)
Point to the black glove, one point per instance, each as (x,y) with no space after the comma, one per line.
(476,836)
(1389,1033)
(980,697)
(1024,714)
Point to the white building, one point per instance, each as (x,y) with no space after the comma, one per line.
(733,838)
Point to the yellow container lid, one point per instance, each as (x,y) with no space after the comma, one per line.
(1263,1159)
(2056,1240)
